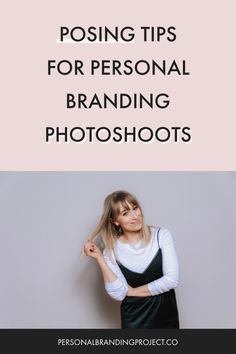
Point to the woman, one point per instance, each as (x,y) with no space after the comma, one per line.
(139,264)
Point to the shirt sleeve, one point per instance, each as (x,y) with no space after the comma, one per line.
(117,289)
(170,267)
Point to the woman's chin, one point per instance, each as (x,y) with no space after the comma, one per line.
(136,227)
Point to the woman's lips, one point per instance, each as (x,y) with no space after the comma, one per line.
(135,222)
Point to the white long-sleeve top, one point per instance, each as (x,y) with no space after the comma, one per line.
(137,258)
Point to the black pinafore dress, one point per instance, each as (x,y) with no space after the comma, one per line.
(158,311)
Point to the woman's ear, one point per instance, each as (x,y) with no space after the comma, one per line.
(114,222)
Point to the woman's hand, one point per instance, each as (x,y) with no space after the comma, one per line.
(91,250)
(140,291)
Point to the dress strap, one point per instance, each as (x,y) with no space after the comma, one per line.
(157,232)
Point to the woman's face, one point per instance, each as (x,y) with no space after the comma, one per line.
(130,218)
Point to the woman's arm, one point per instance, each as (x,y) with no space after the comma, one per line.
(114,281)
(140,291)
(170,268)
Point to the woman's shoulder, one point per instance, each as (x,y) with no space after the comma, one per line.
(164,235)
(109,255)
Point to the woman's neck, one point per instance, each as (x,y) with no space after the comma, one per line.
(130,237)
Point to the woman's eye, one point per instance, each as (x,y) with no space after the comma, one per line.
(124,214)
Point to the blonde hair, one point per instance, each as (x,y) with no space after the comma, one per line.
(107,230)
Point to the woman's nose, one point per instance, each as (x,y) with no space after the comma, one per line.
(134,214)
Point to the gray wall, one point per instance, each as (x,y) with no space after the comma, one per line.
(47,216)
